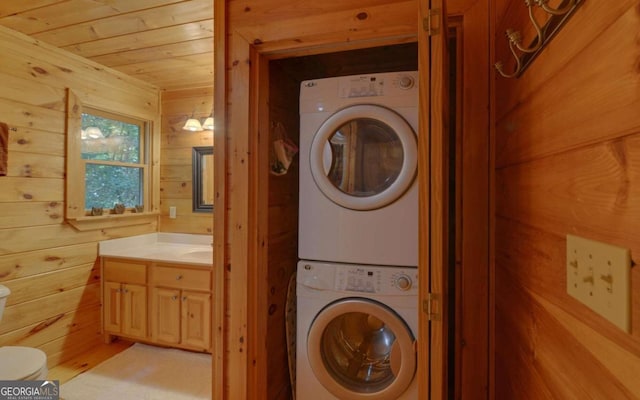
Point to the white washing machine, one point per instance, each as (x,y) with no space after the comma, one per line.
(358,189)
(356,329)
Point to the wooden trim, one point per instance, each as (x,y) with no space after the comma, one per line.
(491,381)
(74,176)
(260,186)
(219,287)
(75,210)
(475,205)
(112,220)
(424,233)
(438,137)
(240,159)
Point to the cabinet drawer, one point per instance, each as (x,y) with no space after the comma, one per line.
(116,270)
(181,278)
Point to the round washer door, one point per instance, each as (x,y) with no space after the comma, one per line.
(361,349)
(364,157)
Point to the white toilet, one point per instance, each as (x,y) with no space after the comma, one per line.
(19,363)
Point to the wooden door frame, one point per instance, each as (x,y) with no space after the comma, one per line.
(238,360)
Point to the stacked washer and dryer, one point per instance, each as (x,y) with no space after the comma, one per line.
(357,298)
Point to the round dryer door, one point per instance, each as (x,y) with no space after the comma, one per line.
(361,349)
(364,157)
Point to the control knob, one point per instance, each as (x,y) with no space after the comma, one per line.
(403,282)
(406,82)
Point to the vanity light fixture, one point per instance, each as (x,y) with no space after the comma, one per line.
(192,125)
(208,123)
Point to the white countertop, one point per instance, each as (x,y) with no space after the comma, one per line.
(165,247)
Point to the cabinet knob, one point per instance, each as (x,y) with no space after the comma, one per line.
(184,298)
(174,297)
(179,277)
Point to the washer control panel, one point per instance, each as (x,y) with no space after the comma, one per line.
(381,280)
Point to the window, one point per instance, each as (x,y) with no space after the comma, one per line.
(108,168)
(113,160)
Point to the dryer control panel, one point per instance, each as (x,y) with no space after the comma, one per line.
(388,84)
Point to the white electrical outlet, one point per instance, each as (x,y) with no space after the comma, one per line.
(598,274)
(172,212)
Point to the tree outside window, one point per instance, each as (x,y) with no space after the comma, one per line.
(112,152)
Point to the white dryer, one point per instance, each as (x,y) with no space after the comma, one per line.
(356,329)
(358,189)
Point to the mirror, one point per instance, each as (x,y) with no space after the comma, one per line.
(203,179)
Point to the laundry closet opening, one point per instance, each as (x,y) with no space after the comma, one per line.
(285,78)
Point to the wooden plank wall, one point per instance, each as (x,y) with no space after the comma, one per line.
(282,233)
(567,162)
(176,186)
(49,266)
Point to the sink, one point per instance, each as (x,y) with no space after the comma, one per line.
(201,255)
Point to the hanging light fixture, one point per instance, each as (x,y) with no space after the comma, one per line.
(208,123)
(192,125)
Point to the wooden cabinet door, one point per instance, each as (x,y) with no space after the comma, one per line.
(196,319)
(112,307)
(134,310)
(166,315)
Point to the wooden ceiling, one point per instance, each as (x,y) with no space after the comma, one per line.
(168,43)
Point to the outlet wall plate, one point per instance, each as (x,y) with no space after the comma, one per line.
(598,275)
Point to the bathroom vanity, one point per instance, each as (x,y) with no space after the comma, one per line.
(156,288)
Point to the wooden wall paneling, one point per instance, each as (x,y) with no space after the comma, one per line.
(530,130)
(57,326)
(48,265)
(17,240)
(569,169)
(553,342)
(31,189)
(33,60)
(34,117)
(176,189)
(36,165)
(595,197)
(23,264)
(282,228)
(29,91)
(37,310)
(574,37)
(36,286)
(35,141)
(78,342)
(176,172)
(536,251)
